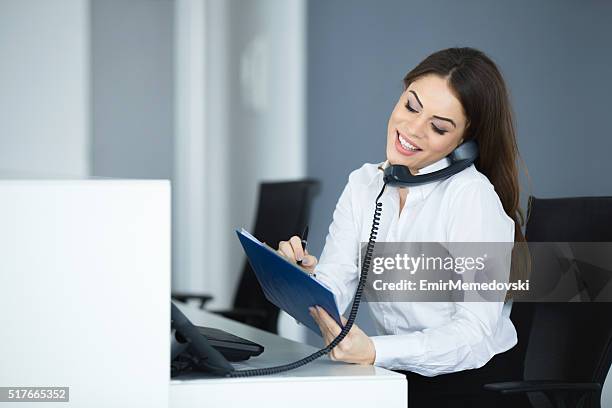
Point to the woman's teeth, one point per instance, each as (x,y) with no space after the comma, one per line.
(406,145)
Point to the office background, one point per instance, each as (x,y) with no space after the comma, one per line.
(219,95)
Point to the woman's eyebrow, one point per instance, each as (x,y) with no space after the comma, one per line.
(435,116)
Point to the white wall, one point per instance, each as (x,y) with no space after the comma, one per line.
(265,103)
(191,225)
(239,117)
(240,120)
(44,91)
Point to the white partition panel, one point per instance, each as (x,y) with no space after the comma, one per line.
(84,289)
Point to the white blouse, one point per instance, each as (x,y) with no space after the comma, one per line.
(428,338)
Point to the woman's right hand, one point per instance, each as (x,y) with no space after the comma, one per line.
(292,250)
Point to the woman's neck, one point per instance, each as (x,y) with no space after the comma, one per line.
(403,193)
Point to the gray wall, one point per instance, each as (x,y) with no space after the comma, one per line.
(554,56)
(132,88)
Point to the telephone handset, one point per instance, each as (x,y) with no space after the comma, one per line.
(190,350)
(206,358)
(461,158)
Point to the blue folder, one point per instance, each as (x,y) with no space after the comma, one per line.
(286,285)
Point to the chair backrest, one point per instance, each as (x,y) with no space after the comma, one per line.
(574,219)
(570,341)
(283,210)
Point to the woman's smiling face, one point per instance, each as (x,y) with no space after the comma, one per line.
(426,124)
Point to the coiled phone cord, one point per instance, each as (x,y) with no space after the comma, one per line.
(365,267)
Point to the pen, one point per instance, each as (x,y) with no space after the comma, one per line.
(304,242)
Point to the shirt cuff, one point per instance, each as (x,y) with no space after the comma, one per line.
(398,351)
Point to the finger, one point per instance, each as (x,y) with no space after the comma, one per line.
(317,318)
(326,320)
(281,253)
(286,249)
(309,260)
(311,311)
(296,245)
(313,314)
(325,317)
(334,354)
(324,331)
(327,337)
(324,328)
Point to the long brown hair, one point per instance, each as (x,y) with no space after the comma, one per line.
(478,84)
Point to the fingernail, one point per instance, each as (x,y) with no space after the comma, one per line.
(306,261)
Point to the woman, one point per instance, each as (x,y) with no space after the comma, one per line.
(454,95)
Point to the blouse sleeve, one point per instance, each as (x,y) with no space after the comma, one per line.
(337,267)
(475,214)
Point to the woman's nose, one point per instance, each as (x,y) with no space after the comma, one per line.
(417,127)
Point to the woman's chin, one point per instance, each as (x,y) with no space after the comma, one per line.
(396,159)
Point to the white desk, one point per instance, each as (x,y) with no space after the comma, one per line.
(322,383)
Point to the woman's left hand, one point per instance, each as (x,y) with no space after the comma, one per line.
(356,347)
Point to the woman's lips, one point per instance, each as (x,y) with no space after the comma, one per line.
(401,149)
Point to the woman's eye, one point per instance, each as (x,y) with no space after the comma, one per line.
(438,131)
(409,107)
(435,129)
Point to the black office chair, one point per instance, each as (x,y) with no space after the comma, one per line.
(569,348)
(283,210)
